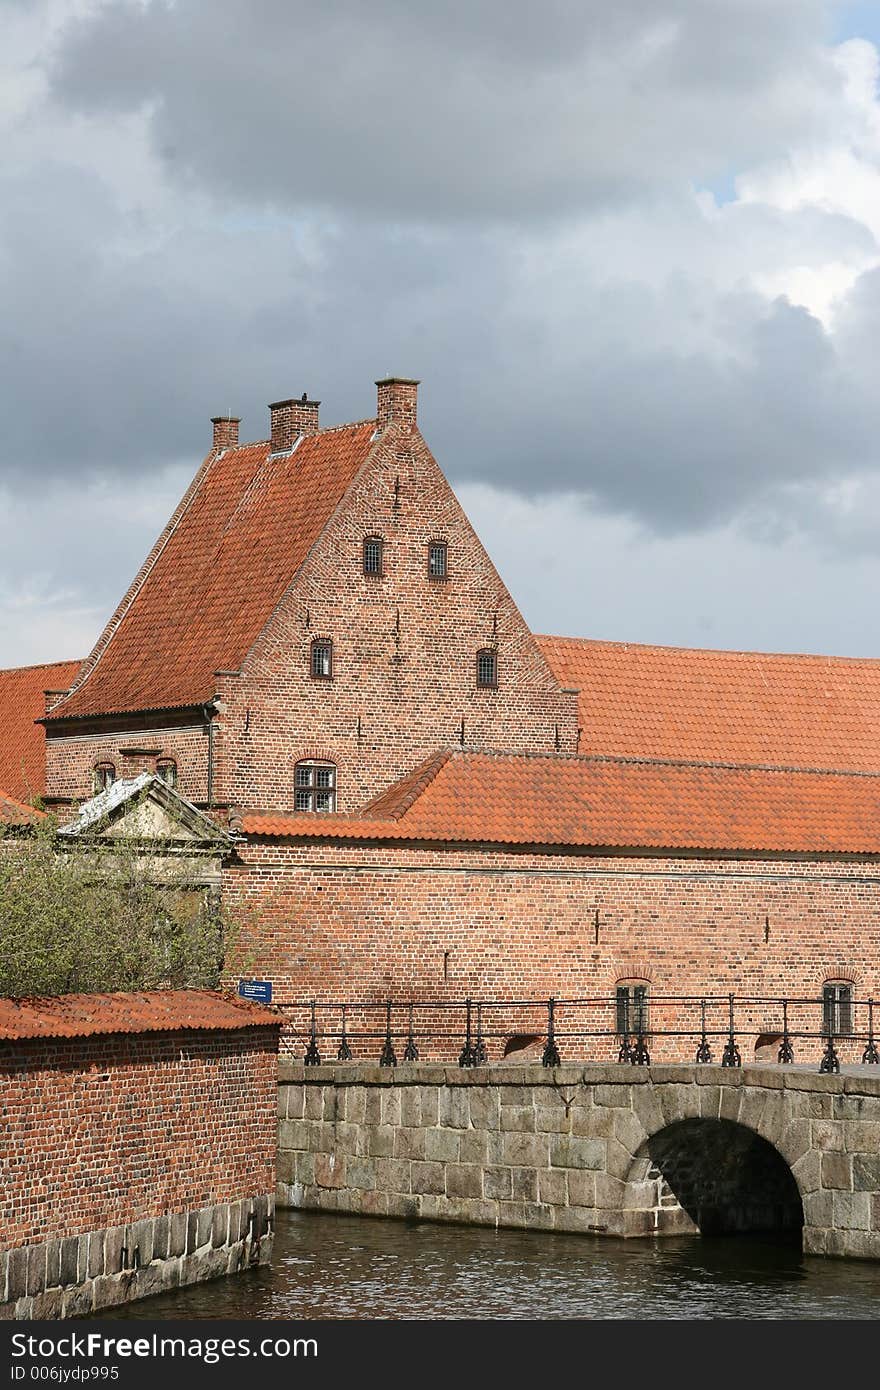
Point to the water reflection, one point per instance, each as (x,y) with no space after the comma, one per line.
(357,1267)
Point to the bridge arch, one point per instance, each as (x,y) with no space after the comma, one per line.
(713,1176)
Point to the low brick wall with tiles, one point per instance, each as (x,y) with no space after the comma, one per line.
(611,1150)
(132,1161)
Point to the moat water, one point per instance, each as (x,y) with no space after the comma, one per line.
(329,1266)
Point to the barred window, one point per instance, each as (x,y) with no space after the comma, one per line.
(315,786)
(373,556)
(437,560)
(632,1009)
(322,659)
(487,668)
(837,1010)
(166,770)
(103,777)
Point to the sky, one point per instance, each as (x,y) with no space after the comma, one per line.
(632,251)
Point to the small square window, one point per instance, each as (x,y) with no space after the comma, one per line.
(322,659)
(487,668)
(437,560)
(373,556)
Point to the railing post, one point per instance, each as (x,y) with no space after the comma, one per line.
(641,1057)
(870,1056)
(550,1057)
(313,1056)
(410,1052)
(479,1045)
(731,1056)
(830,1061)
(344,1053)
(466,1058)
(704,1051)
(786,1051)
(388,1057)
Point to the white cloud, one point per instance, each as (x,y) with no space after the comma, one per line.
(520,213)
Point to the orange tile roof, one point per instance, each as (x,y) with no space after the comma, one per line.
(717,706)
(212,581)
(22,742)
(159,1011)
(13,812)
(619,803)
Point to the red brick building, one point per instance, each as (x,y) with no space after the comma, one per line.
(430,800)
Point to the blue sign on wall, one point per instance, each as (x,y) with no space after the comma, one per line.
(260,991)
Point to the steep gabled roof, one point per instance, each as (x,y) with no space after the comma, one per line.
(222,565)
(546,800)
(717,706)
(22,742)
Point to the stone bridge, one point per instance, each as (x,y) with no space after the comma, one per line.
(610,1149)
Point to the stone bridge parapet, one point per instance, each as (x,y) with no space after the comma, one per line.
(608,1149)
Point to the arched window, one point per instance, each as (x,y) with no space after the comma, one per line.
(103,777)
(837,1008)
(321,665)
(166,771)
(487,668)
(373,556)
(631,997)
(315,786)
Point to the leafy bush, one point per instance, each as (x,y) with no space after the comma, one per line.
(106,915)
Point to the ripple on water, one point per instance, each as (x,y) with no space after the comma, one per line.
(361,1267)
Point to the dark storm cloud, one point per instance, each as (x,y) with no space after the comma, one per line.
(668,397)
(473,111)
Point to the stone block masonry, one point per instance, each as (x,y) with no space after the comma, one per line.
(138,1148)
(74,1276)
(605,1149)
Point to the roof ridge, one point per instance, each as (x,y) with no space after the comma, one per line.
(709,651)
(42,665)
(646,760)
(419,780)
(325,429)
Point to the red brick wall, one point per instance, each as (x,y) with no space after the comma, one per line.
(341,922)
(70,761)
(106,1130)
(404,660)
(404,652)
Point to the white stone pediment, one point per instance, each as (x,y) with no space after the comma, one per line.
(145,809)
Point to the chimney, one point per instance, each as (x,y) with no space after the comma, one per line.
(397,402)
(289,419)
(225,431)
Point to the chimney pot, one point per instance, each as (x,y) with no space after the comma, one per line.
(397,401)
(225,431)
(289,419)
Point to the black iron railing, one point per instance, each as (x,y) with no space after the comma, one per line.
(707,1028)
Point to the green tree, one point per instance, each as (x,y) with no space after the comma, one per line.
(105,915)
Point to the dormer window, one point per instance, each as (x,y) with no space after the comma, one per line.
(322,659)
(103,777)
(487,668)
(166,771)
(315,786)
(437,558)
(373,556)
